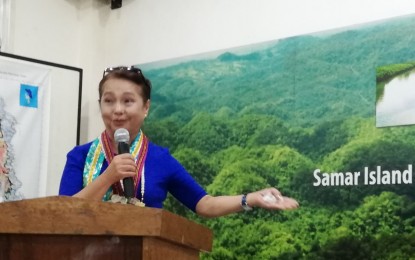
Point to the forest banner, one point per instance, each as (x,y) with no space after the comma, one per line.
(23,92)
(306,115)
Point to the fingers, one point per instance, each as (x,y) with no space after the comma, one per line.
(126,156)
(123,159)
(282,203)
(288,203)
(272,199)
(272,191)
(123,166)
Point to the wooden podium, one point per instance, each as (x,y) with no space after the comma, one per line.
(62,227)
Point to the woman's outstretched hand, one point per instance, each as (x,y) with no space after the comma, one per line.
(272,199)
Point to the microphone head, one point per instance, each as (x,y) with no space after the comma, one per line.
(121,135)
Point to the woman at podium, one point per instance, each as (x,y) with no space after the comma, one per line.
(122,165)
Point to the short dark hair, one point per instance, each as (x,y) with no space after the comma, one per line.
(136,76)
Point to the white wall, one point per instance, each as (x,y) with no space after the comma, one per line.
(88,34)
(46,29)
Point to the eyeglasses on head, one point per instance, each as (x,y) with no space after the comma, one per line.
(129,69)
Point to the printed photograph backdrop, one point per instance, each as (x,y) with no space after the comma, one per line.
(298,114)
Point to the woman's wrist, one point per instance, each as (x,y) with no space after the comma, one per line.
(108,178)
(244,203)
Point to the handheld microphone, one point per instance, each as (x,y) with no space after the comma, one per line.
(122,137)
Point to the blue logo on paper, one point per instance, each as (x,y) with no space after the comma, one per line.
(28,96)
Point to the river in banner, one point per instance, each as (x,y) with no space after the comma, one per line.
(396,104)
